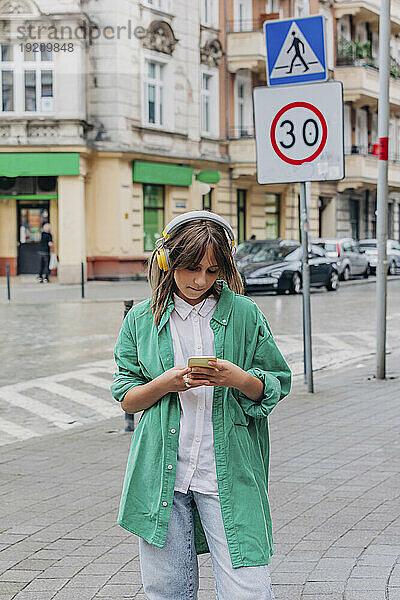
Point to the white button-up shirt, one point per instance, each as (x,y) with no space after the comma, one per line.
(192,336)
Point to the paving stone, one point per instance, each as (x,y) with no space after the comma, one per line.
(19,575)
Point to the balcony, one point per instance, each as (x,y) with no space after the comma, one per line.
(357,69)
(362,170)
(242,150)
(368,10)
(246,44)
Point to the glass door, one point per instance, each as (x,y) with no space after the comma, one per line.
(31,217)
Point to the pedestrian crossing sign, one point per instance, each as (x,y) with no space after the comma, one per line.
(295,51)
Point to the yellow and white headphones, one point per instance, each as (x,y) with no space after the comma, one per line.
(163,253)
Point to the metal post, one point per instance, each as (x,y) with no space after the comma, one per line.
(8,282)
(82,280)
(382,192)
(306,289)
(129,419)
(305,201)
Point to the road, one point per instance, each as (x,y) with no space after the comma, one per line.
(57,364)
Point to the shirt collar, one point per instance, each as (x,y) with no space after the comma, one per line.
(221,314)
(184,309)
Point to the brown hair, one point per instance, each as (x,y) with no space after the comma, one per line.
(187,245)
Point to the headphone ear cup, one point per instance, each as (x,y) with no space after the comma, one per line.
(161,259)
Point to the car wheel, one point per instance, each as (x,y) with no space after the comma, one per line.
(346,274)
(392,268)
(367,272)
(333,283)
(295,284)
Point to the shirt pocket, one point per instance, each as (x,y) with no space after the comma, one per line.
(237,413)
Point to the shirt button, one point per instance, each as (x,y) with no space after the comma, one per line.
(192,466)
(201,407)
(197,439)
(169,467)
(224,320)
(165,503)
(173,430)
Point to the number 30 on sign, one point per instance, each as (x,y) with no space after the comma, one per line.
(299,133)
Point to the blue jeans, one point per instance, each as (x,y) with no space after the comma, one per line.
(171,572)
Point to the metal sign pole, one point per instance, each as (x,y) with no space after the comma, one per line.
(305,192)
(382,191)
(306,289)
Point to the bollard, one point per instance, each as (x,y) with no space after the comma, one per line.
(8,282)
(82,280)
(129,419)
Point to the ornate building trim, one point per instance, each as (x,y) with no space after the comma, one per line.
(211,53)
(160,37)
(18,8)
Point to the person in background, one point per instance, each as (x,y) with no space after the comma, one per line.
(253,237)
(45,245)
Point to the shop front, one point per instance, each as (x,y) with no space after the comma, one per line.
(30,196)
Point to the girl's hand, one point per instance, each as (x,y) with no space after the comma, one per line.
(221,372)
(174,379)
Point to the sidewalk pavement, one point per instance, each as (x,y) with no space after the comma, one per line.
(334,490)
(25,289)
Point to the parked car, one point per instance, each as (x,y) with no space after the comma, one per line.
(279,268)
(246,250)
(393,254)
(350,258)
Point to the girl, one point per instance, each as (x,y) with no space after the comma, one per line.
(197,473)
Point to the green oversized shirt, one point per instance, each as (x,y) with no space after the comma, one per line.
(240,427)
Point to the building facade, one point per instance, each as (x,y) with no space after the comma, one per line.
(116,117)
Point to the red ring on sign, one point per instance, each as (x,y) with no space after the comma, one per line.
(321,146)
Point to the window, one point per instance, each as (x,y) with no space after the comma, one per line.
(398,223)
(243,15)
(347,129)
(209,103)
(390,220)
(272,6)
(153,215)
(244,111)
(26,79)
(154,93)
(241,214)
(207,199)
(355,219)
(299,8)
(209,13)
(158,4)
(272,216)
(361,131)
(392,145)
(205,103)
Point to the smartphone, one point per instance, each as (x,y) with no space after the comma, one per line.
(200,361)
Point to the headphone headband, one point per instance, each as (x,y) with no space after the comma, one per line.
(163,253)
(198,214)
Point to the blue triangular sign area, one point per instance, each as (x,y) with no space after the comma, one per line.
(295,51)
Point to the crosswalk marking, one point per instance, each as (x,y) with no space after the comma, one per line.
(45,411)
(96,404)
(84,377)
(21,433)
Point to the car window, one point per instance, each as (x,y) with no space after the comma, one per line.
(367,245)
(330,247)
(346,246)
(297,254)
(246,248)
(317,251)
(273,253)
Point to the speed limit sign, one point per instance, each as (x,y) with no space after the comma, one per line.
(299,133)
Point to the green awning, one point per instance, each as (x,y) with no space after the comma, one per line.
(23,164)
(162,174)
(208,176)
